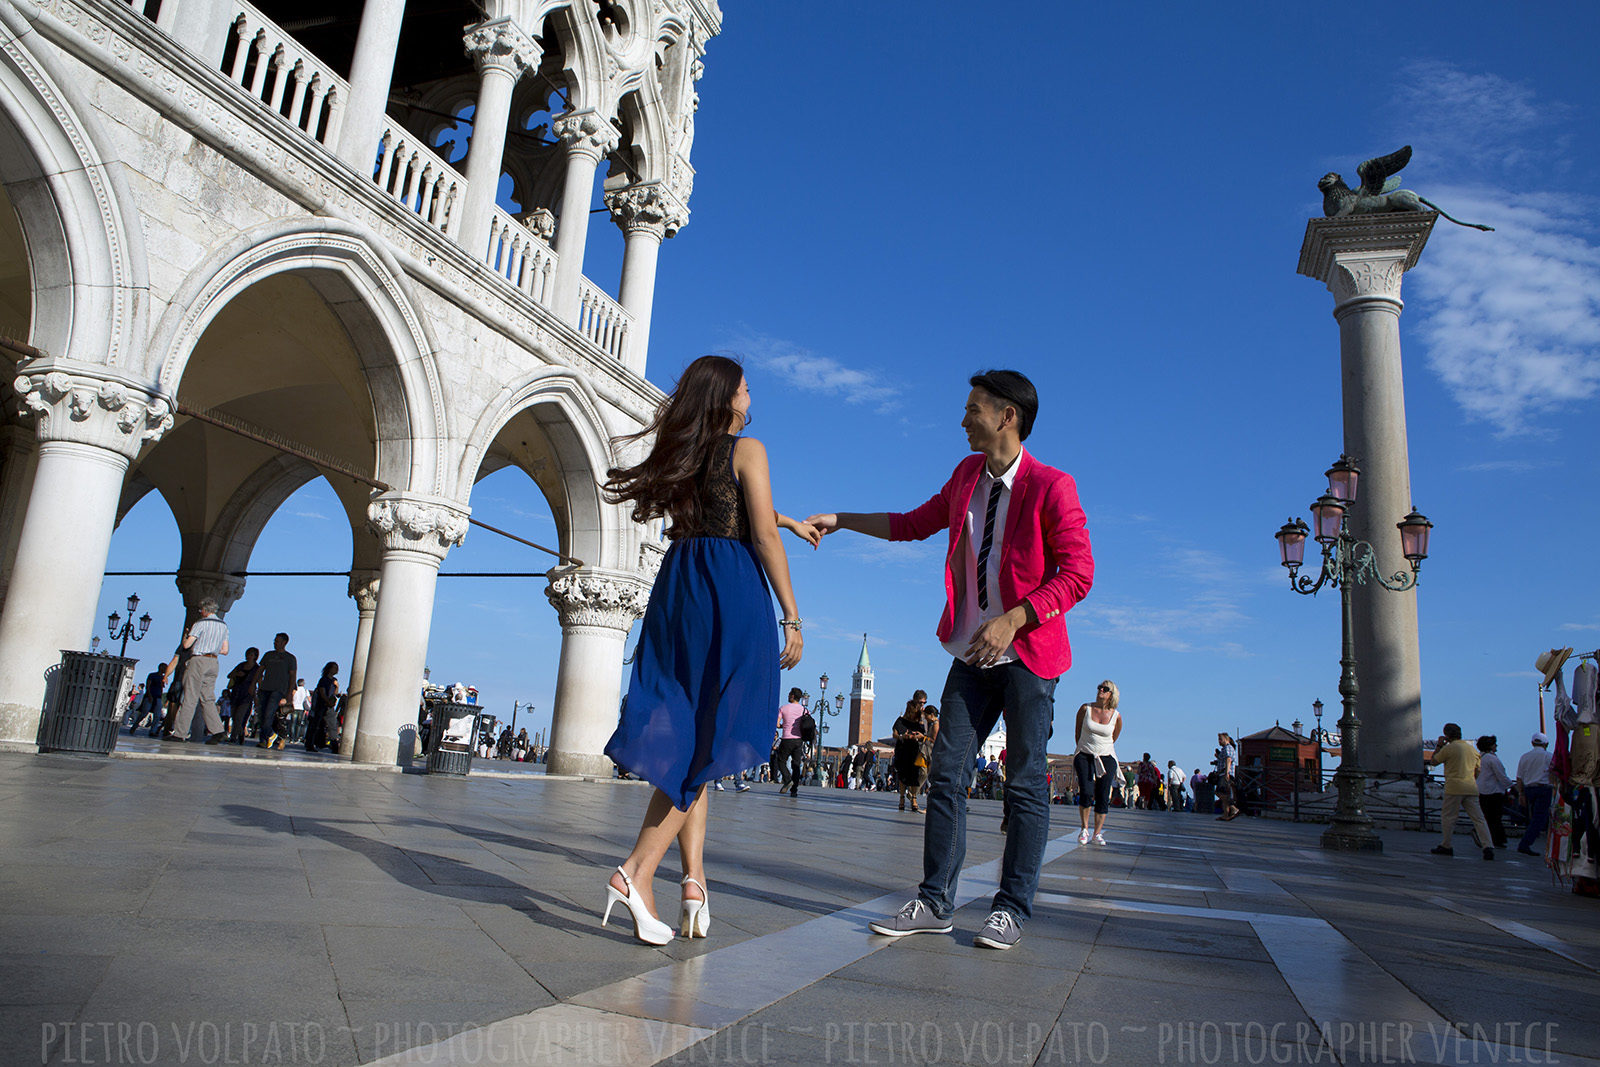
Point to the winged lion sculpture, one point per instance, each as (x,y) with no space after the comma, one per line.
(1379,192)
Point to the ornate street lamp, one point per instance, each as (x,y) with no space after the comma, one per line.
(124,631)
(1347,562)
(820,711)
(1322,739)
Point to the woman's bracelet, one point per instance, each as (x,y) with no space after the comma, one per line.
(789,624)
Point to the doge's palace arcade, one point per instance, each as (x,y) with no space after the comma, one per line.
(209,206)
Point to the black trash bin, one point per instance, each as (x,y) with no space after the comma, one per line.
(86,714)
(450,741)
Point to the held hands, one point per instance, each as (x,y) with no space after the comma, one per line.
(824,524)
(803,530)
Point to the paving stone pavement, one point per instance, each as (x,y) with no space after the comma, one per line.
(173,908)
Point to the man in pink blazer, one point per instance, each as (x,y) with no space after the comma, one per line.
(1017,560)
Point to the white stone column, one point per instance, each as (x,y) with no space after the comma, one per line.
(17,449)
(364,587)
(416,532)
(597,608)
(89,428)
(588,136)
(371,72)
(1362,260)
(502,52)
(647,215)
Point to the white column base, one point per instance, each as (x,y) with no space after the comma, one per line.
(55,585)
(588,694)
(387,730)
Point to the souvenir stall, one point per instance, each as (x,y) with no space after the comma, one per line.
(1573,847)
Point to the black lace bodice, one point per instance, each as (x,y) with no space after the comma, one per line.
(722,511)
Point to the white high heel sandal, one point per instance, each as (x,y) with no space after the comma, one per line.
(646,927)
(696,919)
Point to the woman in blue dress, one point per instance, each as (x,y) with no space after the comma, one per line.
(705,671)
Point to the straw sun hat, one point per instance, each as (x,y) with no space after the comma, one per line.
(1549,664)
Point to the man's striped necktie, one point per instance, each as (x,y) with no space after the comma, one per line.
(988,542)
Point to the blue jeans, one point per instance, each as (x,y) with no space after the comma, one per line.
(1538,813)
(972,703)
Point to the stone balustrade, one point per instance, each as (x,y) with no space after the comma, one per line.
(266,62)
(520,256)
(411,172)
(601,319)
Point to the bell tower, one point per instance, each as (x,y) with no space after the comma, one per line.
(861,699)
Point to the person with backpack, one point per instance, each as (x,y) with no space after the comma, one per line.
(1149,779)
(794,724)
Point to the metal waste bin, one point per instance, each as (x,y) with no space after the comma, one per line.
(451,740)
(86,714)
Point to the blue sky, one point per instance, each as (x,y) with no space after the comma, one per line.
(1112,200)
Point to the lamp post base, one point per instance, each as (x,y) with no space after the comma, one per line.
(1344,837)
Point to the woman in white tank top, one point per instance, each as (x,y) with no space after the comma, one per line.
(1099,725)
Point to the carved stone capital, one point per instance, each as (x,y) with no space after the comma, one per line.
(411,521)
(651,553)
(501,45)
(1366,275)
(541,222)
(1364,257)
(364,591)
(84,408)
(195,586)
(590,597)
(648,207)
(586,132)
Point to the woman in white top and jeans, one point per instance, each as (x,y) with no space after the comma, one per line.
(1099,725)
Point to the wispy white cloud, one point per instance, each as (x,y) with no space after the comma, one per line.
(1503,466)
(1579,626)
(1510,320)
(311,515)
(800,368)
(1203,614)
(923,554)
(1199,624)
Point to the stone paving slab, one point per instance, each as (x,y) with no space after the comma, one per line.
(252,907)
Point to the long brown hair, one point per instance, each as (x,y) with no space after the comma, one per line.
(687,427)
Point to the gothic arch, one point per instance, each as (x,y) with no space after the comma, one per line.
(86,253)
(368,292)
(599,533)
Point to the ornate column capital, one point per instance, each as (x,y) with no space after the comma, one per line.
(541,222)
(586,133)
(1363,258)
(364,590)
(501,45)
(417,523)
(195,586)
(84,407)
(591,597)
(647,207)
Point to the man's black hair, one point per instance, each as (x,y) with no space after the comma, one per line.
(795,694)
(1014,388)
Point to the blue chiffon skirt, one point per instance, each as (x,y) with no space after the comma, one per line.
(703,697)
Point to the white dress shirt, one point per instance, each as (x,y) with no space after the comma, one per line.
(969,616)
(1534,767)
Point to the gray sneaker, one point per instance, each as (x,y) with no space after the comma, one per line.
(999,931)
(915,918)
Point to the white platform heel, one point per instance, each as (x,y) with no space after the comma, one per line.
(696,920)
(646,927)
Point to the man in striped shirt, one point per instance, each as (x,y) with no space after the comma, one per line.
(206,640)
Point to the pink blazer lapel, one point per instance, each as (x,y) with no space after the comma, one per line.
(1017,507)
